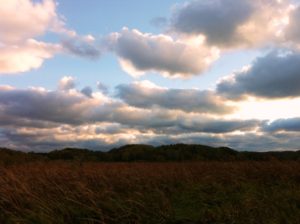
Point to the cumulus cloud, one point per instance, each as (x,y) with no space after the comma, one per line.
(142,52)
(21,58)
(217,19)
(66,83)
(19,49)
(230,23)
(275,75)
(26,19)
(147,95)
(40,104)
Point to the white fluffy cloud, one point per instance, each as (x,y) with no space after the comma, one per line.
(66,83)
(143,52)
(22,21)
(26,56)
(26,20)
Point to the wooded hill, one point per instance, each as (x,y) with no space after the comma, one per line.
(133,153)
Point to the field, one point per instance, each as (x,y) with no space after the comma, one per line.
(141,192)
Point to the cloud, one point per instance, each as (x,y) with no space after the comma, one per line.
(39,104)
(275,75)
(292,31)
(260,142)
(217,19)
(110,135)
(19,49)
(103,88)
(24,57)
(8,120)
(218,126)
(68,118)
(288,125)
(87,91)
(147,95)
(140,53)
(71,107)
(231,23)
(66,83)
(37,117)
(25,19)
(82,46)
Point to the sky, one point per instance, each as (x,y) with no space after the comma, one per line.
(99,74)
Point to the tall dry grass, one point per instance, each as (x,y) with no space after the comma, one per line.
(199,192)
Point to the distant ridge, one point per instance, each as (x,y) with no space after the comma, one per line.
(147,153)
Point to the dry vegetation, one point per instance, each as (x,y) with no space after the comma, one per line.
(188,192)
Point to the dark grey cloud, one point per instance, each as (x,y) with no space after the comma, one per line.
(204,125)
(219,126)
(74,108)
(289,125)
(276,75)
(188,100)
(168,123)
(53,106)
(87,91)
(218,20)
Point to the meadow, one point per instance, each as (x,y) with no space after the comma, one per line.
(150,192)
